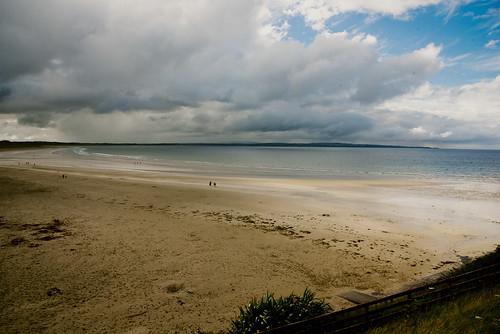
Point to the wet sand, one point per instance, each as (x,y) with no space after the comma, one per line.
(134,251)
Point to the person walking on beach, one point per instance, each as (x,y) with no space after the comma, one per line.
(210,183)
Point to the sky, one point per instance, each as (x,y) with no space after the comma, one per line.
(399,72)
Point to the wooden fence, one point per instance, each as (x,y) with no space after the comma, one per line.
(356,318)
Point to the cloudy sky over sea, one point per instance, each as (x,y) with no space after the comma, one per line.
(411,72)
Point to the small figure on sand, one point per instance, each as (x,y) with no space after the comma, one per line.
(215,184)
(210,183)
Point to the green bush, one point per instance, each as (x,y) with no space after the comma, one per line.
(270,312)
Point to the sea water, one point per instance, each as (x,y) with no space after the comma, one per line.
(480,165)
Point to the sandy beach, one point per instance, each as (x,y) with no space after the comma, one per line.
(115,249)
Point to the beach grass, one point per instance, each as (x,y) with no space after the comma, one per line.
(473,313)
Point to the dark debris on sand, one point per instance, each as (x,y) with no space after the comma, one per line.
(54,292)
(17,241)
(55,229)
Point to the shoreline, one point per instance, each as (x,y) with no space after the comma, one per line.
(383,199)
(127,236)
(466,211)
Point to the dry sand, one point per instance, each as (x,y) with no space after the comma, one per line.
(134,252)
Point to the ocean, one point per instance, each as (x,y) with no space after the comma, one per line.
(304,162)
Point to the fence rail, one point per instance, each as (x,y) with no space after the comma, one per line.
(383,309)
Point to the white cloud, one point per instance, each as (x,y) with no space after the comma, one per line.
(317,12)
(458,114)
(453,61)
(472,102)
(492,43)
(488,64)
(418,131)
(445,134)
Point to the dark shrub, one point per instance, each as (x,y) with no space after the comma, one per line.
(270,312)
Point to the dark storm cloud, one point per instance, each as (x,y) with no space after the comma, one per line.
(33,33)
(43,114)
(326,125)
(152,70)
(100,102)
(5,92)
(131,102)
(40,119)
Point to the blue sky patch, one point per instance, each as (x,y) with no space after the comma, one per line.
(469,36)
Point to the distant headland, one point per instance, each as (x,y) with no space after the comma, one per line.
(6,144)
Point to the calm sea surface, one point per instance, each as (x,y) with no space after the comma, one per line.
(310,162)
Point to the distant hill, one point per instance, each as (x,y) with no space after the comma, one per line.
(34,144)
